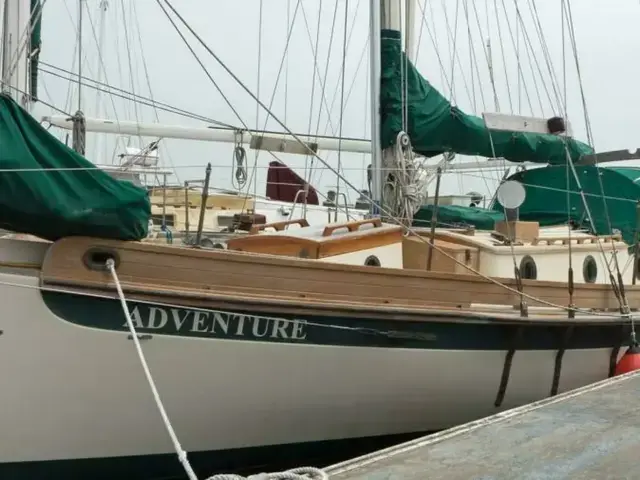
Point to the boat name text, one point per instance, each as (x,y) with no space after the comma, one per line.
(222,324)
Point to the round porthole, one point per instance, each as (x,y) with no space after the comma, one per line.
(590,269)
(96,258)
(528,268)
(372,261)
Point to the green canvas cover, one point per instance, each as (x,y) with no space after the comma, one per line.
(546,199)
(458,216)
(65,200)
(435,126)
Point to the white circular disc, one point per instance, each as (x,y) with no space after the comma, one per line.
(511,194)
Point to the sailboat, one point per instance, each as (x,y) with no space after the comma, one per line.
(288,341)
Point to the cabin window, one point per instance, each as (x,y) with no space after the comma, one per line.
(372,261)
(590,269)
(528,268)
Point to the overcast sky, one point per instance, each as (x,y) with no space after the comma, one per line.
(139,40)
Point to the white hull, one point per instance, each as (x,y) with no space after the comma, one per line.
(73,392)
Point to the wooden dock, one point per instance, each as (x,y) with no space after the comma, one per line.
(588,433)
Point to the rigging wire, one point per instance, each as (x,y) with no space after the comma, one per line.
(128,48)
(344,65)
(258,79)
(336,89)
(148,81)
(349,184)
(504,61)
(520,75)
(323,85)
(620,284)
(307,174)
(102,65)
(126,95)
(253,177)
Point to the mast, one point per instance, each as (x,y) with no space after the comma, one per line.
(16,43)
(391,17)
(383,14)
(79,131)
(375,6)
(409,26)
(99,141)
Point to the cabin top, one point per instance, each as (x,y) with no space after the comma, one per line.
(307,241)
(329,232)
(527,237)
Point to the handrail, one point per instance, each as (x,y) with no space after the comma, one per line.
(278,226)
(351,226)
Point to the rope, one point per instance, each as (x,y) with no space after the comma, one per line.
(182,455)
(238,163)
(301,473)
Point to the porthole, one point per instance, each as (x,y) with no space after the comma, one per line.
(590,269)
(528,268)
(372,261)
(96,258)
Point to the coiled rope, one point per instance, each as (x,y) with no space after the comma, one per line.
(238,163)
(301,473)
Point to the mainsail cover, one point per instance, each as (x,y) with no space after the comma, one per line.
(435,126)
(49,190)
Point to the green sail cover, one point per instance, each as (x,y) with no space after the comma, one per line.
(59,203)
(546,199)
(435,126)
(457,216)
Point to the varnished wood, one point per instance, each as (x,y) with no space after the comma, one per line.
(294,245)
(351,226)
(579,240)
(183,273)
(279,226)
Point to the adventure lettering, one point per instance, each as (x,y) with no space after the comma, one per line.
(215,324)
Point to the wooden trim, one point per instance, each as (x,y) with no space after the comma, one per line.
(197,273)
(279,226)
(534,247)
(351,226)
(579,240)
(308,247)
(304,307)
(368,240)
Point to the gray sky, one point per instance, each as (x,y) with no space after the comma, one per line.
(605,34)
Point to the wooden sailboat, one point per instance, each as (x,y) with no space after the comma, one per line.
(290,340)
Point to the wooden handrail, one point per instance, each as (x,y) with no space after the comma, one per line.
(579,240)
(279,226)
(351,226)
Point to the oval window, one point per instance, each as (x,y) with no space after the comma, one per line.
(528,268)
(590,269)
(372,261)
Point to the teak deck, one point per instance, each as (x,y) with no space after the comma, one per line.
(199,277)
(589,433)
